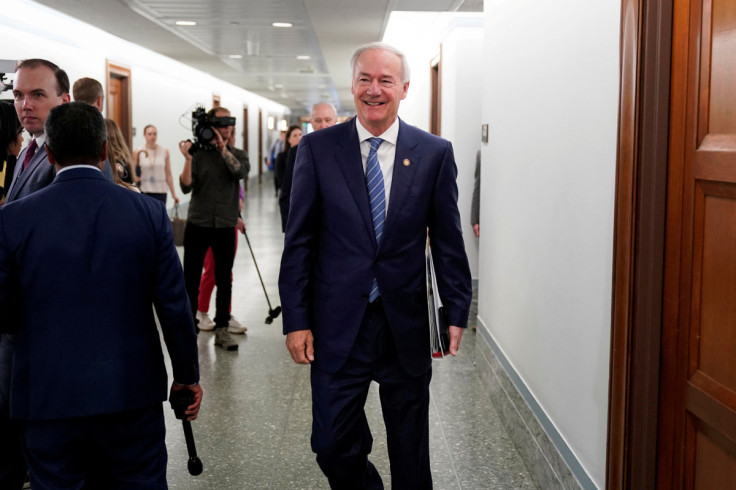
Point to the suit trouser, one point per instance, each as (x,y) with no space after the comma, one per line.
(340,433)
(13,468)
(108,451)
(197,239)
(12,465)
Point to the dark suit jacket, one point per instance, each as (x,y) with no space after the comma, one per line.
(330,254)
(37,175)
(285,188)
(90,261)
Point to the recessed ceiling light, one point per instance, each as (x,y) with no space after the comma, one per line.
(186,23)
(236,56)
(303,57)
(282,24)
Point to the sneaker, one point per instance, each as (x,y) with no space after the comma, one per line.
(234,326)
(205,322)
(224,340)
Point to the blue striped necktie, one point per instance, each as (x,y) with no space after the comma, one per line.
(377,197)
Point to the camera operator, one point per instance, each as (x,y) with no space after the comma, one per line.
(212,175)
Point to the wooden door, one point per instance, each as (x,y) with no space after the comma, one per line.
(435,108)
(697,422)
(115,99)
(245,129)
(119,99)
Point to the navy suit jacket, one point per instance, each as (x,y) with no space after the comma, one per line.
(330,253)
(90,261)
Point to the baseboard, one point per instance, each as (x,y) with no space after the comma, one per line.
(548,458)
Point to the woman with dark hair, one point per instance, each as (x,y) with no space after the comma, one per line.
(293,135)
(11,140)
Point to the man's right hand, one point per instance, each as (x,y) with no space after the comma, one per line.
(301,346)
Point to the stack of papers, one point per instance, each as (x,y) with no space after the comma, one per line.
(439,336)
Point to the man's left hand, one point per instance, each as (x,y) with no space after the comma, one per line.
(241,226)
(456,333)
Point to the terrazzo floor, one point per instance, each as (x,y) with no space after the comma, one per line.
(254,425)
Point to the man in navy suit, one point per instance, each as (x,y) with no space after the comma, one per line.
(352,281)
(83,264)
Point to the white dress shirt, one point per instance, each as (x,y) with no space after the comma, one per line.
(386,152)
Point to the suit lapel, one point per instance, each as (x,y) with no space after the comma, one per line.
(350,163)
(20,179)
(403,174)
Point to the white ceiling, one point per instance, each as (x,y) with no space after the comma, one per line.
(325,30)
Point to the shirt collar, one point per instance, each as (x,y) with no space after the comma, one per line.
(40,140)
(64,169)
(391,134)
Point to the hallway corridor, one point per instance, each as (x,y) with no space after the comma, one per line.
(254,426)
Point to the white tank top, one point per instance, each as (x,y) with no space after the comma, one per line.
(153,169)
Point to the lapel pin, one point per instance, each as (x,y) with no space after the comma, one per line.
(406,162)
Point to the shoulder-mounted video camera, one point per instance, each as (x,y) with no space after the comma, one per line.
(202,128)
(6,66)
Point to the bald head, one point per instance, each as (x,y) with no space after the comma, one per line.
(323,115)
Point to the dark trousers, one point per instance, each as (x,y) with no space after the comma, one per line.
(109,451)
(341,437)
(160,196)
(12,465)
(197,240)
(13,468)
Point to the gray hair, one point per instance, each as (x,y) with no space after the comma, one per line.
(385,47)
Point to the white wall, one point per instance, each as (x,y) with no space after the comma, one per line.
(550,97)
(461,86)
(164,91)
(419,35)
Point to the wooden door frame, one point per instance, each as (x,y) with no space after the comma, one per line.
(435,94)
(113,70)
(639,235)
(246,116)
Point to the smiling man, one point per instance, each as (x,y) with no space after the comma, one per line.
(352,283)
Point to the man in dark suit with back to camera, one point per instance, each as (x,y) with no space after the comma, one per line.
(352,283)
(82,262)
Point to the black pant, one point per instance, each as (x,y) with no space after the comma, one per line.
(13,468)
(340,433)
(161,196)
(197,239)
